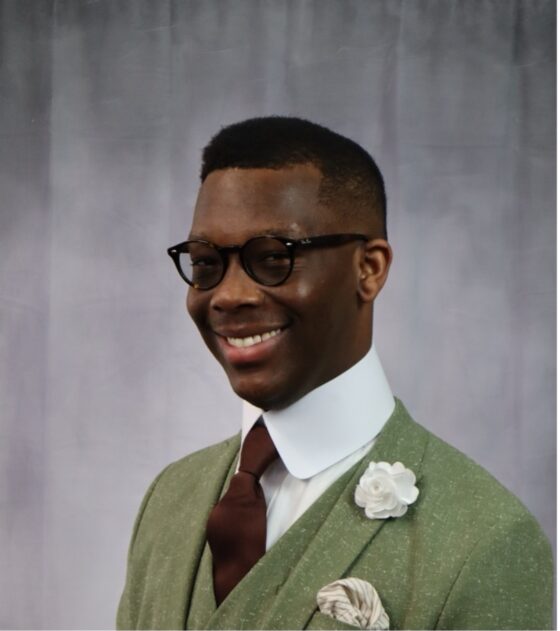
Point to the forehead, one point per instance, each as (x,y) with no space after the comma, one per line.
(240,203)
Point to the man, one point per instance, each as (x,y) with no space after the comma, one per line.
(287,252)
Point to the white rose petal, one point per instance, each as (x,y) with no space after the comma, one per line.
(404,483)
(386,490)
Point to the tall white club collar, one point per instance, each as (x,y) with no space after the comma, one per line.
(330,422)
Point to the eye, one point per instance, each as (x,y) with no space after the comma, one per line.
(204,261)
(272,259)
(275,256)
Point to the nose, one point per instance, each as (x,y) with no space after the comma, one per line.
(236,289)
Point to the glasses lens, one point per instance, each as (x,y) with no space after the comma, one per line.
(268,260)
(201,264)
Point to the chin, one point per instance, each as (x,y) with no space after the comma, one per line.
(265,395)
(259,397)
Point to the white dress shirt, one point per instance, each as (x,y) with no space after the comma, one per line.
(319,437)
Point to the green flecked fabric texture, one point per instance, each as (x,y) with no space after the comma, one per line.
(467,554)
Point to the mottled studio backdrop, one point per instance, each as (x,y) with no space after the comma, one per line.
(105,106)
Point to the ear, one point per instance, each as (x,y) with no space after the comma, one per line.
(375,260)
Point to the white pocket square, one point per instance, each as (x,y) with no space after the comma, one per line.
(353,601)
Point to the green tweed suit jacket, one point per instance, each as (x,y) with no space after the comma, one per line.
(467,554)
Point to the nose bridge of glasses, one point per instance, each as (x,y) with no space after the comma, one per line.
(235,266)
(236,288)
(243,257)
(226,252)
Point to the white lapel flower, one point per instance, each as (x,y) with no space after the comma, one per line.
(353,601)
(386,490)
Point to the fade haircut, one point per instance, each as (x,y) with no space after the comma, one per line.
(351,184)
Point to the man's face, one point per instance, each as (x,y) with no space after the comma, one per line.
(317,323)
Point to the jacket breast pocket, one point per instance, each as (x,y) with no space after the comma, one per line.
(322,621)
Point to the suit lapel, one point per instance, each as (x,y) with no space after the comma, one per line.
(346,531)
(202,602)
(181,563)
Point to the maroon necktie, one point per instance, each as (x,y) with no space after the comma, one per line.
(236,528)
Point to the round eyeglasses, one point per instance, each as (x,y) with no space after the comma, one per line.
(268,260)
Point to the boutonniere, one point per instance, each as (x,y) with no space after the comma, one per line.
(386,490)
(353,601)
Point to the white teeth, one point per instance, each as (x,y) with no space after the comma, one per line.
(242,342)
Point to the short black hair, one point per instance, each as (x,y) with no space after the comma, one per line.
(352,182)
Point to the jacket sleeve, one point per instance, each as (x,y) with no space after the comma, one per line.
(505,583)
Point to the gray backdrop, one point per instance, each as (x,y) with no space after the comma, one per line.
(103,380)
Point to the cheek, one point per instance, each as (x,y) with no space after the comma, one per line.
(328,286)
(189,303)
(322,305)
(195,306)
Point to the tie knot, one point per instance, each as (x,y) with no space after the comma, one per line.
(258,451)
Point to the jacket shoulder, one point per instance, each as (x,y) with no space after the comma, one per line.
(200,462)
(192,477)
(467,486)
(458,495)
(445,474)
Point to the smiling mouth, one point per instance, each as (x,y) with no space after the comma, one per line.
(252,340)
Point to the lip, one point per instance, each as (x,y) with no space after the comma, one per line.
(239,356)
